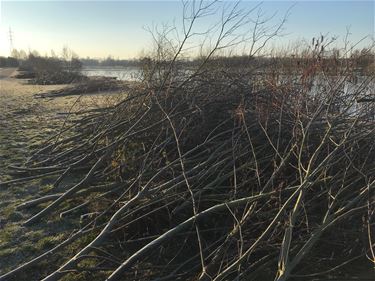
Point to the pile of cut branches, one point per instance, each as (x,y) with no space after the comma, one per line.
(212,174)
(92,85)
(210,180)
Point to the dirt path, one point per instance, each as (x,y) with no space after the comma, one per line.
(25,123)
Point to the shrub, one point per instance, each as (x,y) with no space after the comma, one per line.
(52,70)
(8,62)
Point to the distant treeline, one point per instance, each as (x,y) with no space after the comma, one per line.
(362,60)
(359,61)
(109,62)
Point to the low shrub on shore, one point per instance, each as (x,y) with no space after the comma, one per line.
(49,71)
(8,62)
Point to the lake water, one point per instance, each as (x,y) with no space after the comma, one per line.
(129,73)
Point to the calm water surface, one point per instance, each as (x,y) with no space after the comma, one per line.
(129,73)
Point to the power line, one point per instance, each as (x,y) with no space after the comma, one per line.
(11,40)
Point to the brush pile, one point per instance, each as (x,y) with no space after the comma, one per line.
(92,85)
(217,176)
(50,70)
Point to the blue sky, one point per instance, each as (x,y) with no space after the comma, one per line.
(102,28)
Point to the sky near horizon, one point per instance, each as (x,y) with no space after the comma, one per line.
(101,28)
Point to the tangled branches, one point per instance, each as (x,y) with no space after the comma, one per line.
(217,176)
(202,183)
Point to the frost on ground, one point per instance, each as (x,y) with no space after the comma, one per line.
(26,123)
